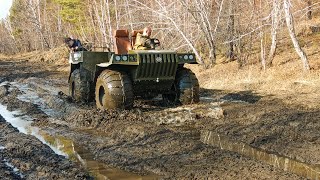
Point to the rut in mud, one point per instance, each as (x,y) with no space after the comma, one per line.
(25,157)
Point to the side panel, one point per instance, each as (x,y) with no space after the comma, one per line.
(90,59)
(87,65)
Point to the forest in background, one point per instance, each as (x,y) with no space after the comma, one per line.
(235,29)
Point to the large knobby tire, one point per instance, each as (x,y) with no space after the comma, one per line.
(186,88)
(114,90)
(79,90)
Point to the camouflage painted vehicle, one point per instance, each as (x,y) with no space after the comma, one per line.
(114,79)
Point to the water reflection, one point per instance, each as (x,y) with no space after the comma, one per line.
(306,170)
(23,124)
(81,155)
(66,147)
(14,121)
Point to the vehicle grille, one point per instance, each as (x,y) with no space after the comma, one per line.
(162,66)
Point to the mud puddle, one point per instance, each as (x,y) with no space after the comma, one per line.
(23,124)
(30,93)
(15,170)
(285,163)
(66,147)
(83,156)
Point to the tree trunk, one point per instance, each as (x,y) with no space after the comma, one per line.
(290,25)
(116,14)
(263,51)
(101,21)
(262,39)
(274,31)
(230,54)
(309,13)
(212,55)
(109,24)
(129,14)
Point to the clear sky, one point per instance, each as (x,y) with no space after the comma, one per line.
(4,8)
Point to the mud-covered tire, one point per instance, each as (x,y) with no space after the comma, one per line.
(186,88)
(79,90)
(114,90)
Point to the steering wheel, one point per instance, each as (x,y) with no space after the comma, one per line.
(155,43)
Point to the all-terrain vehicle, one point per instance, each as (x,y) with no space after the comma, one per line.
(116,78)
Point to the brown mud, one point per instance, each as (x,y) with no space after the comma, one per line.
(151,140)
(25,157)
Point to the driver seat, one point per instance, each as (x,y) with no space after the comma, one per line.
(121,41)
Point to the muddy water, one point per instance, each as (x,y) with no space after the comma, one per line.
(278,161)
(30,95)
(15,170)
(14,121)
(23,124)
(66,147)
(81,155)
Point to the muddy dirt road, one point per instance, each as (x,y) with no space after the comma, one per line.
(43,134)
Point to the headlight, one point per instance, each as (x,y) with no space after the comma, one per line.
(191,57)
(185,57)
(118,58)
(77,55)
(125,58)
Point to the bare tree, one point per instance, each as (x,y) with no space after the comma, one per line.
(109,23)
(100,17)
(275,22)
(230,30)
(309,13)
(262,36)
(35,18)
(290,25)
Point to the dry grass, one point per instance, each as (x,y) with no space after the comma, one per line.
(56,56)
(286,79)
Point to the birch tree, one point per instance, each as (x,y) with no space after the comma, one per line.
(290,25)
(230,30)
(203,17)
(275,22)
(34,16)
